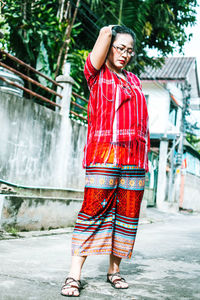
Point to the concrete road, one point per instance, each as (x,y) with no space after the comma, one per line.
(165,264)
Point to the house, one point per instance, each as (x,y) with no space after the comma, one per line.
(190,179)
(168,91)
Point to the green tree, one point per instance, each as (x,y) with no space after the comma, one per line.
(158,24)
(37,30)
(34,25)
(193,140)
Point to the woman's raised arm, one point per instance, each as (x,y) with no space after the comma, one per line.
(101,47)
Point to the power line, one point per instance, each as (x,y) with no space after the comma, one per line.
(90,11)
(87,29)
(86,16)
(91,33)
(112,13)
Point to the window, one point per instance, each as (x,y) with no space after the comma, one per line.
(147,99)
(173,113)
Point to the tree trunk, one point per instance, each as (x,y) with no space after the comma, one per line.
(68,34)
(61,10)
(26,11)
(66,42)
(2,4)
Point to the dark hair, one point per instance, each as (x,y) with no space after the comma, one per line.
(122,30)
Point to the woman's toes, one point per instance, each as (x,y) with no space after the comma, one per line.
(125,285)
(71,287)
(118,282)
(76,293)
(121,284)
(70,292)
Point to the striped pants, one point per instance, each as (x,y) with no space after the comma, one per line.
(108,220)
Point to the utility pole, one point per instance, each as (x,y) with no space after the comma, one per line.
(185,88)
(171,174)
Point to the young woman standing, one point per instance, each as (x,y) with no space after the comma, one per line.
(115,158)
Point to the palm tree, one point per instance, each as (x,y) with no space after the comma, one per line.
(157,24)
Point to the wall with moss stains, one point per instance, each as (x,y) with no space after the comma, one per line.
(39,146)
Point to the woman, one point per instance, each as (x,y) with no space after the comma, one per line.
(115,158)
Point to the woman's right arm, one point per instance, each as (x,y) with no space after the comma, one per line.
(101,47)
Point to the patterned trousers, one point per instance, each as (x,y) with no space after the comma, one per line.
(108,220)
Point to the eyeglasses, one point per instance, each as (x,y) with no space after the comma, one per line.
(121,50)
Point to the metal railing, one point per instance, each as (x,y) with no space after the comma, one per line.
(81,108)
(29,79)
(77,110)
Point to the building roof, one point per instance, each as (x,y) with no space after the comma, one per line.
(174,68)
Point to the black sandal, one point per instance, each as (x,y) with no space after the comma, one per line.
(76,284)
(115,281)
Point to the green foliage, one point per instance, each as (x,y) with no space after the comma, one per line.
(77,59)
(194,141)
(12,231)
(36,36)
(158,24)
(4,33)
(42,64)
(34,32)
(33,22)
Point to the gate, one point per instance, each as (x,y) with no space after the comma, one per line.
(151,179)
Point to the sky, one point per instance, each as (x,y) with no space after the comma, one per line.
(192,48)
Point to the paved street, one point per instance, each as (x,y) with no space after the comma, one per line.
(165,264)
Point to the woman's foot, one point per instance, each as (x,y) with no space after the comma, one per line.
(117,281)
(71,288)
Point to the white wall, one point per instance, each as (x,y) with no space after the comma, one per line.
(175,89)
(191,77)
(158,106)
(191,199)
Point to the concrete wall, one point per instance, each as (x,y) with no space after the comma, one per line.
(191,192)
(193,164)
(38,213)
(39,147)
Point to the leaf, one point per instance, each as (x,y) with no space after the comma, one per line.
(42,64)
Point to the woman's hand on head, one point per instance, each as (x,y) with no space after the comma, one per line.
(107,29)
(101,47)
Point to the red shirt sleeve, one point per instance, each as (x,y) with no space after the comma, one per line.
(90,72)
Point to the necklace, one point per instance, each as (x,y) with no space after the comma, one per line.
(119,75)
(126,86)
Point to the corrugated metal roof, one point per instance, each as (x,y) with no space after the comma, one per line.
(174,68)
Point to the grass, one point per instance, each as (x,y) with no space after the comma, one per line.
(12,231)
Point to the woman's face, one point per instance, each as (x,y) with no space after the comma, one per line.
(120,52)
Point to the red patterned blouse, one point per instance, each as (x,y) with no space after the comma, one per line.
(118,129)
